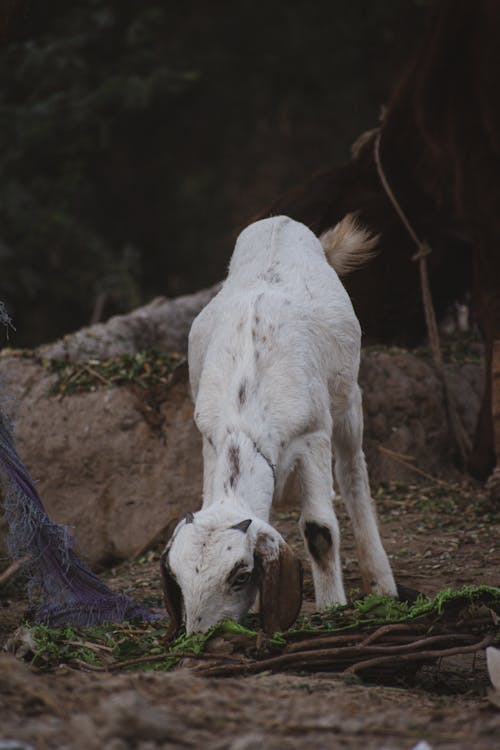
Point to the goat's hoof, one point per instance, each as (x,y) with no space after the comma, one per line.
(407,594)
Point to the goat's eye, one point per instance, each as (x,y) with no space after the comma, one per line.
(241,580)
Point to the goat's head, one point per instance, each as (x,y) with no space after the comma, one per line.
(213,567)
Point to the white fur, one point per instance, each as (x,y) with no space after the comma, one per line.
(273,362)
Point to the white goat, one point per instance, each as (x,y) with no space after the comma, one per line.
(273,363)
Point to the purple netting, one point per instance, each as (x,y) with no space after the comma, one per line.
(62,588)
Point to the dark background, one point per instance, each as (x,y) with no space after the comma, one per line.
(137,138)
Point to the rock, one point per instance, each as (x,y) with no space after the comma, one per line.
(405,416)
(129,716)
(163,324)
(249,741)
(101,469)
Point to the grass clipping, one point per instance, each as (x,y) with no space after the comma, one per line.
(144,369)
(375,637)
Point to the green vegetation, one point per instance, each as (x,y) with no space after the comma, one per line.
(447,504)
(457,349)
(145,369)
(138,645)
(376,610)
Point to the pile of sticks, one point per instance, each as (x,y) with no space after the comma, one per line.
(399,648)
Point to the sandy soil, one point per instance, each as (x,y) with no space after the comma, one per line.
(437,535)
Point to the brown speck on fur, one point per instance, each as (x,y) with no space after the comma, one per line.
(233,456)
(242,393)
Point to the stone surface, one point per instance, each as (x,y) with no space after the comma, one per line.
(100,467)
(162,324)
(405,412)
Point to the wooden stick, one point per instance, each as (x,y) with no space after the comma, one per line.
(383,630)
(177,655)
(335,656)
(13,568)
(97,375)
(333,640)
(402,460)
(323,640)
(421,655)
(80,664)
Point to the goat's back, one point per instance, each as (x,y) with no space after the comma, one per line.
(280,336)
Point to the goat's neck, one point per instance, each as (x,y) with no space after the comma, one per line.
(244,475)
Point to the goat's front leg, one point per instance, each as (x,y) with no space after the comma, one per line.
(352,477)
(318,523)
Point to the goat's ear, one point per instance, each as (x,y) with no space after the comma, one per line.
(172,594)
(280,584)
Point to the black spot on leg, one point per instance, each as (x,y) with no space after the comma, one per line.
(319,542)
(233,456)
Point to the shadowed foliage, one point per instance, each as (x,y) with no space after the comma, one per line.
(137,138)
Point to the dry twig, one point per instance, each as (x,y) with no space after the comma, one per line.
(349,658)
(13,569)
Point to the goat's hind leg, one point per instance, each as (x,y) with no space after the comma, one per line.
(318,523)
(352,477)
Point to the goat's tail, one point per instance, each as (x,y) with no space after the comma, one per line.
(348,246)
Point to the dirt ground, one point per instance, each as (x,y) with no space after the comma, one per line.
(438,535)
